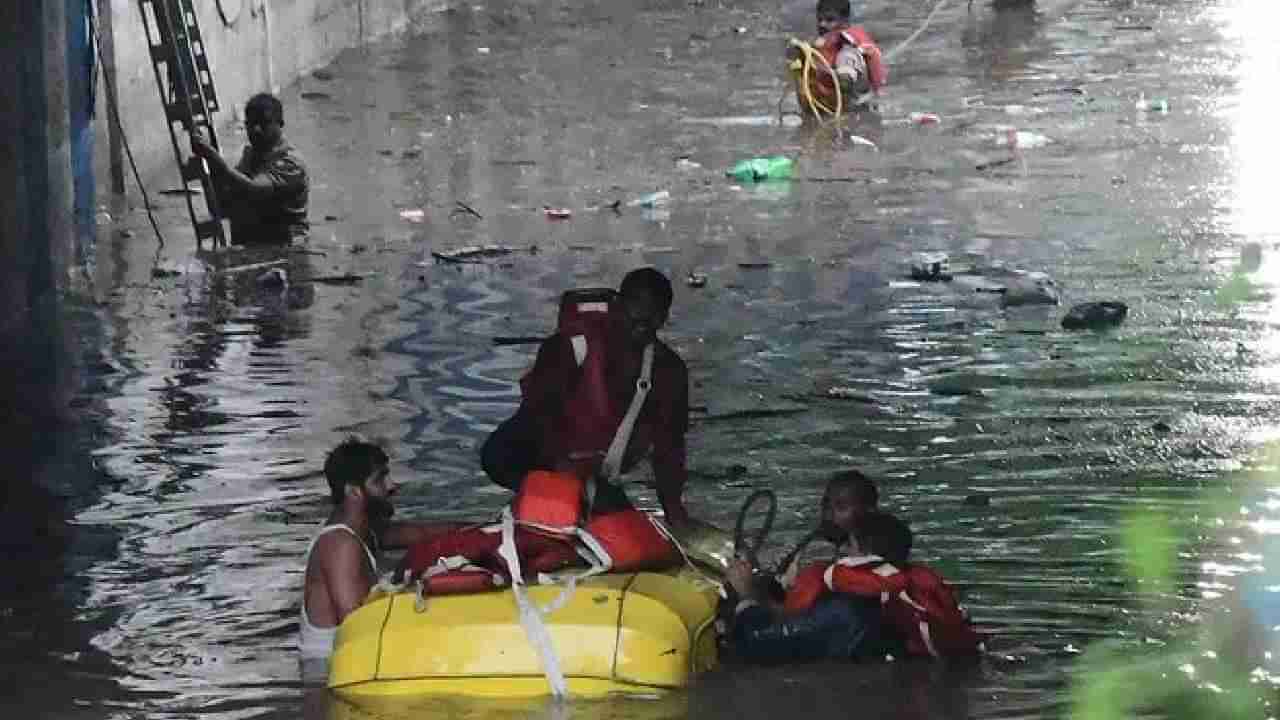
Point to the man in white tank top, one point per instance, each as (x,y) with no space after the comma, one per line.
(340,566)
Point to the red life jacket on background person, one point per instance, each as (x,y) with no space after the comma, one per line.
(830,45)
(917,602)
(591,414)
(809,585)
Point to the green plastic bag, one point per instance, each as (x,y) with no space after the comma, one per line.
(761,169)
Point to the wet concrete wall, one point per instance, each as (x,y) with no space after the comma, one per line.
(253,46)
(35,213)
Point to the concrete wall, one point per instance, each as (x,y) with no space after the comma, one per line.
(259,46)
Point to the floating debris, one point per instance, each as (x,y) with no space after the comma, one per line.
(696,280)
(474,254)
(343,279)
(1095,315)
(316,95)
(557,213)
(931,267)
(847,393)
(518,340)
(461,207)
(413,215)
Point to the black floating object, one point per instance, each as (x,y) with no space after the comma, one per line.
(316,95)
(978,500)
(1095,315)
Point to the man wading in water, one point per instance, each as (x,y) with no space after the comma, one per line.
(340,566)
(265,194)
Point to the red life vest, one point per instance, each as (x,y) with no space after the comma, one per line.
(809,585)
(591,414)
(551,500)
(467,560)
(917,602)
(628,540)
(830,45)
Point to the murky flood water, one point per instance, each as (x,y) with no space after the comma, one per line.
(1011,446)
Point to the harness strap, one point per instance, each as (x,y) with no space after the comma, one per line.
(531,620)
(611,466)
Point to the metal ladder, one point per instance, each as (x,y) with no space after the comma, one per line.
(186,91)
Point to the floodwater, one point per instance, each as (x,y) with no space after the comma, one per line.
(1013,448)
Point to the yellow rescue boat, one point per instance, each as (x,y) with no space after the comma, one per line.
(623,633)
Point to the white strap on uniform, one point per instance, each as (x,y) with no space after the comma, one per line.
(612,465)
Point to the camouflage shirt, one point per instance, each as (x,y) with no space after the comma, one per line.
(280,217)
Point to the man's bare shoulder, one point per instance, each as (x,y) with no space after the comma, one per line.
(337,549)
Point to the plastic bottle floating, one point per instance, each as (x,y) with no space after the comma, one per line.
(924,118)
(1022,139)
(1159,105)
(762,168)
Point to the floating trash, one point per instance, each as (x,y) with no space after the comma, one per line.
(1095,315)
(474,254)
(651,200)
(413,215)
(696,280)
(930,267)
(557,213)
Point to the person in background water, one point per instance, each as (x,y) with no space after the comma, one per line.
(539,435)
(830,626)
(850,51)
(341,564)
(265,194)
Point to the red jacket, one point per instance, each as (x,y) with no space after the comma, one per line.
(917,602)
(578,407)
(830,46)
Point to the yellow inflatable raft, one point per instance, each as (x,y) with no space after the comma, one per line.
(630,633)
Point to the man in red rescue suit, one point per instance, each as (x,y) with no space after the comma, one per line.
(579,392)
(829,627)
(919,611)
(870,603)
(850,51)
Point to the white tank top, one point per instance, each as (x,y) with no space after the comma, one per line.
(316,643)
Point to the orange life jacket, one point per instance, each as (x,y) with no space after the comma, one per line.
(830,45)
(551,500)
(917,602)
(628,540)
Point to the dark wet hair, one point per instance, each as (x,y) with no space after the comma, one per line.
(649,280)
(834,7)
(884,535)
(266,105)
(351,463)
(862,487)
